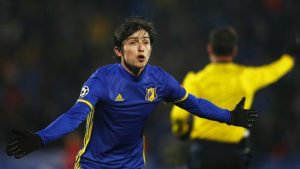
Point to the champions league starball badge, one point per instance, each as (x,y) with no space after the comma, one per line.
(84,91)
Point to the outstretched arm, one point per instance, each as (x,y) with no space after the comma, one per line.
(205,109)
(260,76)
(66,123)
(28,141)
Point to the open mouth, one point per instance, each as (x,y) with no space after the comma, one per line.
(141,58)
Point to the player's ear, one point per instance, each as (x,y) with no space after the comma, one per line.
(209,49)
(118,52)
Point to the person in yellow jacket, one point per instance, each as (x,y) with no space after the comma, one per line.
(214,144)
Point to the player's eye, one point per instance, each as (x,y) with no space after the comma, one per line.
(132,42)
(146,42)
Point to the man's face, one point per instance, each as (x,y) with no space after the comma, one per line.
(137,49)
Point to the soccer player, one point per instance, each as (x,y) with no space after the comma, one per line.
(218,145)
(115,102)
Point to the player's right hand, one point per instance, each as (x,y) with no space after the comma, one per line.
(243,117)
(25,143)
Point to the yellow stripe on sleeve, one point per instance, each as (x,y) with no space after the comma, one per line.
(183,98)
(86,102)
(88,131)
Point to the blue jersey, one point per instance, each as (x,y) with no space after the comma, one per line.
(115,105)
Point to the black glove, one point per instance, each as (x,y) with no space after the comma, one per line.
(25,143)
(293,47)
(243,117)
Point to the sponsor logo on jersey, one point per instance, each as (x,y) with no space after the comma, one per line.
(119,98)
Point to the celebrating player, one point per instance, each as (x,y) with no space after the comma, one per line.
(115,102)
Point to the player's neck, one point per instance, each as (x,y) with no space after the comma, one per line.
(221,59)
(135,71)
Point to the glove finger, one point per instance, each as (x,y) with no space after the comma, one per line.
(10,153)
(18,132)
(254,117)
(18,153)
(12,145)
(28,132)
(241,104)
(17,156)
(251,120)
(252,113)
(14,151)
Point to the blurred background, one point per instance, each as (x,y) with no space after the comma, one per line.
(48,49)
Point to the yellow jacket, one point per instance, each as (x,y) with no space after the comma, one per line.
(225,84)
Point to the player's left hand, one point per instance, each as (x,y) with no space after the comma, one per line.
(243,117)
(25,143)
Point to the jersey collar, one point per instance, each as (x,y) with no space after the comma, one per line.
(129,76)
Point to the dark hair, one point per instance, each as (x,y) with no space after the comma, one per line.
(223,40)
(130,26)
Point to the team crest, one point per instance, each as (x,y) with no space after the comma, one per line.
(151,94)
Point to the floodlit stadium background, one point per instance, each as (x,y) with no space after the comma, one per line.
(49,48)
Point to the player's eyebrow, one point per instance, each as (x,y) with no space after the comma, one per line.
(136,38)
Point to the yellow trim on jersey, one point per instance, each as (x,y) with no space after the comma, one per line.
(88,131)
(182,99)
